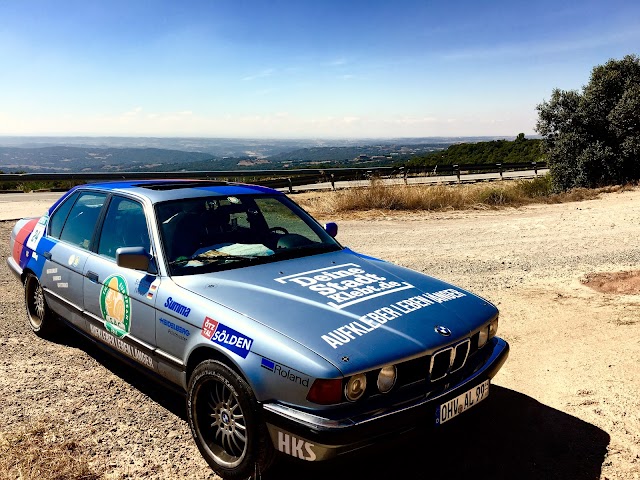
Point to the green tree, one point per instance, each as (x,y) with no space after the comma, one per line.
(520,150)
(592,138)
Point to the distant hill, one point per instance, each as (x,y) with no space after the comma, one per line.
(355,153)
(95,159)
(78,159)
(109,154)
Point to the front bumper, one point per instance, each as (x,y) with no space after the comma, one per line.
(312,437)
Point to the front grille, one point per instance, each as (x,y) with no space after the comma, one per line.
(430,373)
(462,351)
(440,364)
(449,360)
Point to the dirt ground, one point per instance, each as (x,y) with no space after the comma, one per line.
(566,405)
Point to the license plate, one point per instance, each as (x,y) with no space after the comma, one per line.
(462,403)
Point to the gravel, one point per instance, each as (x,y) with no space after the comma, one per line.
(565,405)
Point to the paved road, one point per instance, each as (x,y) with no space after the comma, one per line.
(445,179)
(18,205)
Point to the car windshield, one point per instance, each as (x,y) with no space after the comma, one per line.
(207,234)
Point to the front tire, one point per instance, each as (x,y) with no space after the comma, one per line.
(41,318)
(225,422)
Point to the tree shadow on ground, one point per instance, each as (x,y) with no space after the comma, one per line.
(509,436)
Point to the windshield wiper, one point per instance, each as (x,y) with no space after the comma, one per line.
(304,250)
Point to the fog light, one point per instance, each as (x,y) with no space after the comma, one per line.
(387,378)
(355,387)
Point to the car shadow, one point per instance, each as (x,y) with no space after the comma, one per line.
(509,436)
(159,390)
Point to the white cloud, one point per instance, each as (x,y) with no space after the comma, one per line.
(350,119)
(133,113)
(338,62)
(264,73)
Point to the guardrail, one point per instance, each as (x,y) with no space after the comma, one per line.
(285,178)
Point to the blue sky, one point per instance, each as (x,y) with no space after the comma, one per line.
(298,69)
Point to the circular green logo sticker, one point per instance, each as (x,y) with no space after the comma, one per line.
(115,305)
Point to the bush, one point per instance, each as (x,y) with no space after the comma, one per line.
(539,187)
(592,138)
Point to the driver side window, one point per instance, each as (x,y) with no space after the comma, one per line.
(125,225)
(280,218)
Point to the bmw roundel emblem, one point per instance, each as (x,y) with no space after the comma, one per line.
(444,331)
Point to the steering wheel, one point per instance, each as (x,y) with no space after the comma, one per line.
(281,230)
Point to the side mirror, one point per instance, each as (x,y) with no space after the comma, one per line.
(136,258)
(331,228)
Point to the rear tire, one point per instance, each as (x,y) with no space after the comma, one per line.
(224,417)
(41,319)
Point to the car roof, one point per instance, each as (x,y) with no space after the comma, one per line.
(172,189)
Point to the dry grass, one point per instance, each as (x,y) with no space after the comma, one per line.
(436,198)
(39,451)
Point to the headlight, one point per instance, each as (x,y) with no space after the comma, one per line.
(484,336)
(487,333)
(387,378)
(355,387)
(493,328)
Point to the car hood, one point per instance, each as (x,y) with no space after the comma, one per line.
(349,308)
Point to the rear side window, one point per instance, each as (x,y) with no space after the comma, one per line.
(81,221)
(60,216)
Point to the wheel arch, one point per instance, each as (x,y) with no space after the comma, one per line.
(26,271)
(25,274)
(202,353)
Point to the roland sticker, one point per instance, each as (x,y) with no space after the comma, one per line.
(38,232)
(285,372)
(115,305)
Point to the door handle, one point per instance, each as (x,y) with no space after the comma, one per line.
(47,255)
(93,276)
